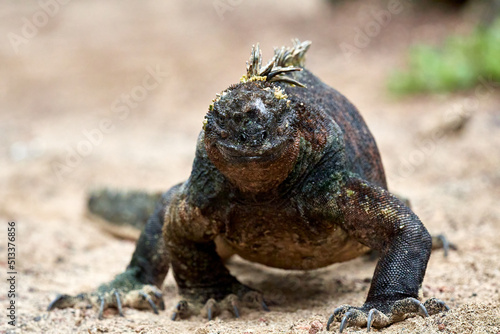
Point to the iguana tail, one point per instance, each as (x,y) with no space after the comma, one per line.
(123,214)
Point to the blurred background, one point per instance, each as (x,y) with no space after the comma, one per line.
(114,93)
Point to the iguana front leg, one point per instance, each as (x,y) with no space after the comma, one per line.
(381,221)
(201,276)
(139,285)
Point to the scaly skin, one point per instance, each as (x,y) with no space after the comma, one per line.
(290,177)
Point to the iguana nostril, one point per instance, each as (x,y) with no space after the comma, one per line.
(243,137)
(253,113)
(238,117)
(264,135)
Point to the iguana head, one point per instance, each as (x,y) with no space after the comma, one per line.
(250,136)
(250,132)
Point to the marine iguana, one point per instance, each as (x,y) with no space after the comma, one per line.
(286,174)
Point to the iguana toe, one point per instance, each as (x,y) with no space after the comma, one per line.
(65,301)
(124,291)
(370,315)
(212,308)
(147,297)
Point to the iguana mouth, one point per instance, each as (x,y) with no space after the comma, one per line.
(263,153)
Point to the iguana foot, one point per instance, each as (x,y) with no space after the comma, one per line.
(124,291)
(441,242)
(378,316)
(212,308)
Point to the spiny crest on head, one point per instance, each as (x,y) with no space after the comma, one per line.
(285,60)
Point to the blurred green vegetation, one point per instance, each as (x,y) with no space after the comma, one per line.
(456,65)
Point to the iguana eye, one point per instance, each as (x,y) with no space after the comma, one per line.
(224,134)
(221,120)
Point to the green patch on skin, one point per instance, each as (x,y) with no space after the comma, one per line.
(125,281)
(350,193)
